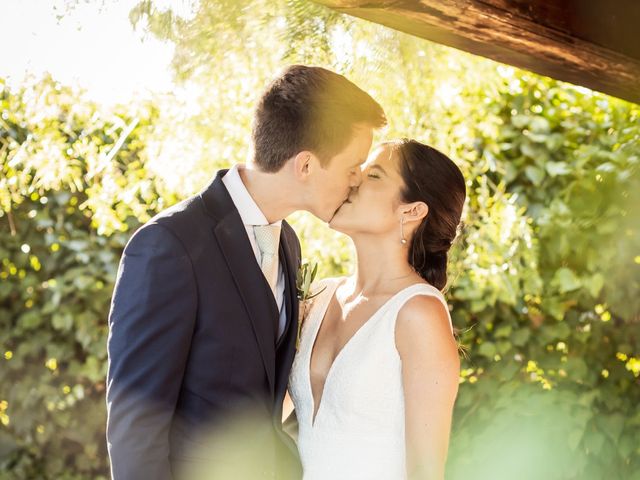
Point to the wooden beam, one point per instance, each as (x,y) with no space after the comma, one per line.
(595,44)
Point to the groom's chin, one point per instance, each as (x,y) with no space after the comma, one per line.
(329,218)
(334,223)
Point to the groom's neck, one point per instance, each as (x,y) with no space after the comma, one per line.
(269,191)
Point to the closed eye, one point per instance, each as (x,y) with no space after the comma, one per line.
(378,171)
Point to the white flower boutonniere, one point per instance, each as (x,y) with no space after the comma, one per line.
(306,275)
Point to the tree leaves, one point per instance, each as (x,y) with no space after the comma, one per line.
(565,280)
(548,247)
(55,294)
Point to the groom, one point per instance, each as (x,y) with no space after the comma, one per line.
(203,318)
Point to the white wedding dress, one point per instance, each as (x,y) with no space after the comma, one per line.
(359,428)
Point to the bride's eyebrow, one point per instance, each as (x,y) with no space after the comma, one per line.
(379,168)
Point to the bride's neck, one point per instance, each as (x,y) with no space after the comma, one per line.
(381,264)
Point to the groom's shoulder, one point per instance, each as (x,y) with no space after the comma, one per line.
(179,212)
(181,217)
(181,222)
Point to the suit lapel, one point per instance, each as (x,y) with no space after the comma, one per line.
(286,344)
(250,282)
(289,264)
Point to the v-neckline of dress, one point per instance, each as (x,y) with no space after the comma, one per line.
(325,307)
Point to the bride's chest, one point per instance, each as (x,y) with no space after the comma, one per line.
(336,332)
(362,374)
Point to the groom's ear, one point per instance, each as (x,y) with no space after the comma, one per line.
(302,164)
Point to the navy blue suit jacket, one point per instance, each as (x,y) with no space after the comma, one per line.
(192,342)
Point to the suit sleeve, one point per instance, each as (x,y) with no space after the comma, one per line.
(151,323)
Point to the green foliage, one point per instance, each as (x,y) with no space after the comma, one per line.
(72,185)
(543,281)
(568,159)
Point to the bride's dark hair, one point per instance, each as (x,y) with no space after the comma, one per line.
(431,177)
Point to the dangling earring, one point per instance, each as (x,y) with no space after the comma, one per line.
(403,240)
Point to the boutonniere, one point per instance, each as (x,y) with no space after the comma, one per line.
(304,280)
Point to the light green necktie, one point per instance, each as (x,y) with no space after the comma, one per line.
(268,240)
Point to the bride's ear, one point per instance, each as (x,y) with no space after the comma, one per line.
(415,212)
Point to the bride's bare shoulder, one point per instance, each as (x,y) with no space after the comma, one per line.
(423,323)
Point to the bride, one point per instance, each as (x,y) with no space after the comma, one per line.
(376,375)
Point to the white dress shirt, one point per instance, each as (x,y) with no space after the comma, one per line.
(251,215)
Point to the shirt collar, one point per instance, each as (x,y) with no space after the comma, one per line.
(249,211)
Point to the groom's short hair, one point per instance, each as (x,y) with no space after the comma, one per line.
(309,108)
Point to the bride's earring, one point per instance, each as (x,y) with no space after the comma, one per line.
(403,240)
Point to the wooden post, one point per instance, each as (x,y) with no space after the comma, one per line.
(595,43)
